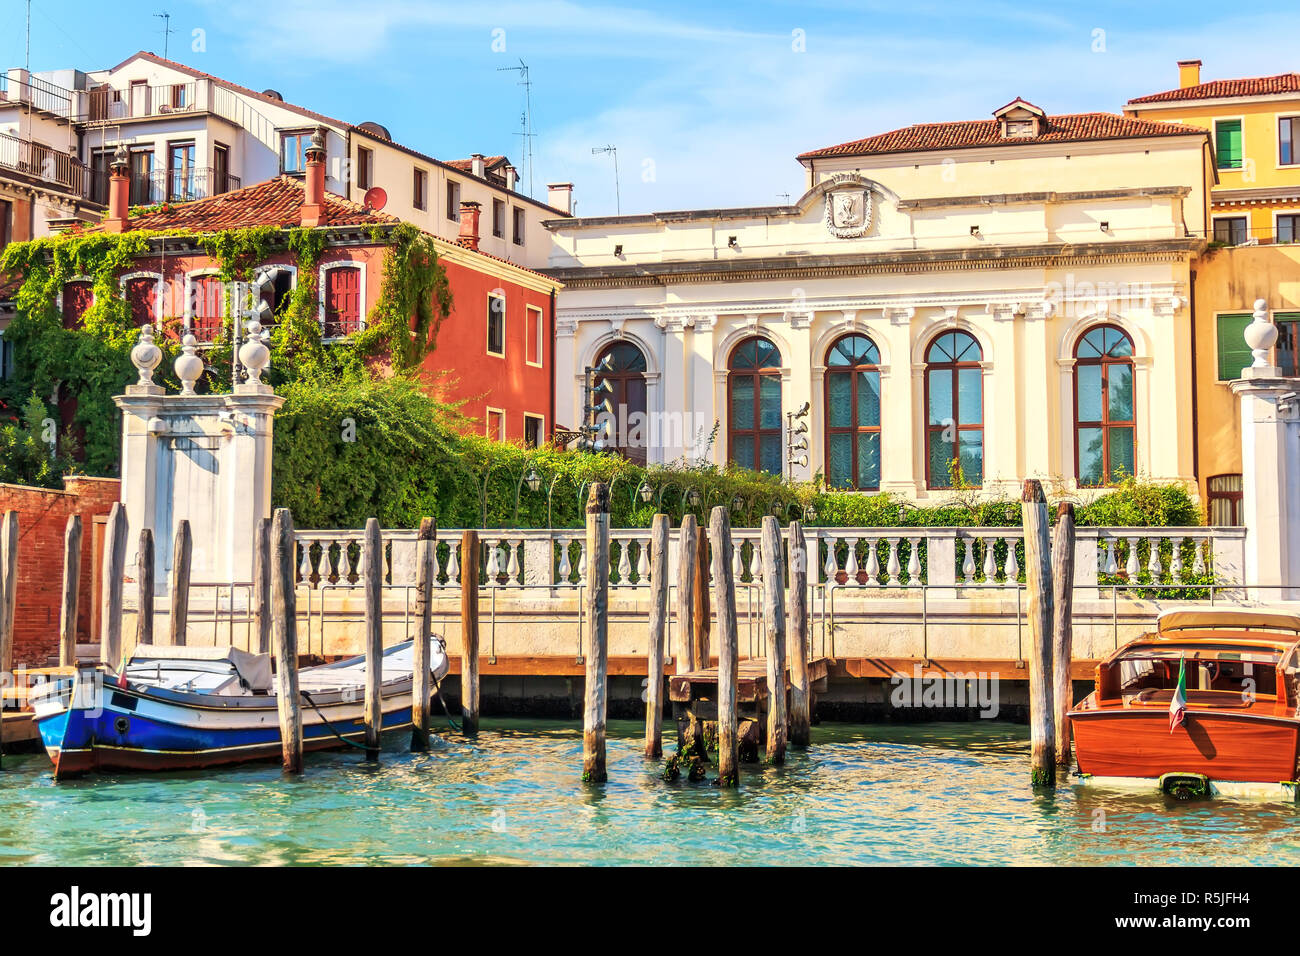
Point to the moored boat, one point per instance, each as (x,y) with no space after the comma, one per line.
(1205,704)
(187,707)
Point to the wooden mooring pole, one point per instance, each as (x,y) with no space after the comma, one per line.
(469,700)
(728,647)
(179,585)
(684,654)
(373,546)
(800,686)
(1038,584)
(284,617)
(71,592)
(114,567)
(144,589)
(774,623)
(1063,628)
(426,544)
(654,672)
(8,588)
(262,585)
(702,653)
(597,645)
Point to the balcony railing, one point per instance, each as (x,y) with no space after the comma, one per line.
(17,86)
(44,163)
(164,186)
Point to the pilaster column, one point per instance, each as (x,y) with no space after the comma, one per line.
(901,427)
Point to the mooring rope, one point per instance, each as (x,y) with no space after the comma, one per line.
(351,743)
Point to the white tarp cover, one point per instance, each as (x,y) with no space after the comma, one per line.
(254,669)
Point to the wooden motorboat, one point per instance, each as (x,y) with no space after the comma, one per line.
(184,707)
(1234,729)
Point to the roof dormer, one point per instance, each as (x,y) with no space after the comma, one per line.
(1020,119)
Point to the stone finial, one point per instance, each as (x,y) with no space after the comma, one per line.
(253,354)
(146,356)
(188,366)
(1260,335)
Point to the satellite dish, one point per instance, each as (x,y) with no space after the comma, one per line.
(375,198)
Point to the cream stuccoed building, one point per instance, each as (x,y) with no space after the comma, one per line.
(954,303)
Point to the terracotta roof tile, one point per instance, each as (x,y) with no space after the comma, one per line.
(1066,128)
(276,202)
(466,165)
(1216,89)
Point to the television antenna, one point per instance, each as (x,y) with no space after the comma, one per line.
(526,120)
(612,150)
(166,18)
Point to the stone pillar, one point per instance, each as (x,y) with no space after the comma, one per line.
(206,458)
(1270,468)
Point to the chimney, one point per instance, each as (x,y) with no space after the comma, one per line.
(512,178)
(119,193)
(477,166)
(469,213)
(1189,73)
(313,200)
(560,196)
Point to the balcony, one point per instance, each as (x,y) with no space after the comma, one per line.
(45,165)
(19,87)
(163,186)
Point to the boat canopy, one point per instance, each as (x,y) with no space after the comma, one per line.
(1235,618)
(253,669)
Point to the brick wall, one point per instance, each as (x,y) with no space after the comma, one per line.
(42,517)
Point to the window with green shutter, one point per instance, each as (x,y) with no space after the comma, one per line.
(1234,353)
(1227,143)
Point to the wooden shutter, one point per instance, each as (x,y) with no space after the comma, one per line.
(1234,353)
(209,308)
(142,296)
(342,301)
(1227,144)
(77,298)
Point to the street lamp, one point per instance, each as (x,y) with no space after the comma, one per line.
(533,480)
(693,497)
(810,513)
(645,491)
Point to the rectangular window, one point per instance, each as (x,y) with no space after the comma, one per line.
(6,222)
(141,190)
(180,172)
(209,308)
(1288,228)
(419,187)
(1234,353)
(365,167)
(1224,503)
(1231,230)
(534,429)
(1287,356)
(496,424)
(220,171)
(496,324)
(534,344)
(1227,143)
(100,160)
(1288,140)
(142,297)
(453,201)
(342,301)
(6,358)
(293,151)
(498,218)
(519,226)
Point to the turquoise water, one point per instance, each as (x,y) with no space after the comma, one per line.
(910,794)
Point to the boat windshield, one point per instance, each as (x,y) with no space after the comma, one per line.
(1240,670)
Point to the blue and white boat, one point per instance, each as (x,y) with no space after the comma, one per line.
(184,707)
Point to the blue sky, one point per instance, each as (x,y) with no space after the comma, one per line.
(707,104)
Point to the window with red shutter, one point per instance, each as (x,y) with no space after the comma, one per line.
(209,308)
(342,301)
(77,298)
(142,297)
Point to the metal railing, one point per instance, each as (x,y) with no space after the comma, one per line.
(18,86)
(44,163)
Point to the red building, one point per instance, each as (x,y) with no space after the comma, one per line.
(493,351)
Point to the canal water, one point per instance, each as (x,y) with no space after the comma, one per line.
(935,793)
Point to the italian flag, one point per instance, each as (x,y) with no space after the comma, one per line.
(1178,704)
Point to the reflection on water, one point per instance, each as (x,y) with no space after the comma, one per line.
(881,793)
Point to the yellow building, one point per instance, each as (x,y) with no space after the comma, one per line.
(1254,251)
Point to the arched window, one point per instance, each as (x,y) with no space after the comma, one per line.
(78,296)
(342,294)
(1103,406)
(954,401)
(853,414)
(621,367)
(141,293)
(754,398)
(209,313)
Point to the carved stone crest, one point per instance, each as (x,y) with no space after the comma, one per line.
(848,211)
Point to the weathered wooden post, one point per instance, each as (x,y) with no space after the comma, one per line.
(774,621)
(373,550)
(284,616)
(686,557)
(8,588)
(425,544)
(728,648)
(1038,583)
(144,589)
(71,592)
(179,585)
(262,585)
(114,567)
(469,699)
(702,653)
(800,686)
(1063,628)
(654,674)
(597,649)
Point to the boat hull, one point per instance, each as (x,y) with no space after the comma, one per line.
(1223,747)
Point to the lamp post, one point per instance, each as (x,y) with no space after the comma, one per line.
(659,506)
(533,480)
(550,491)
